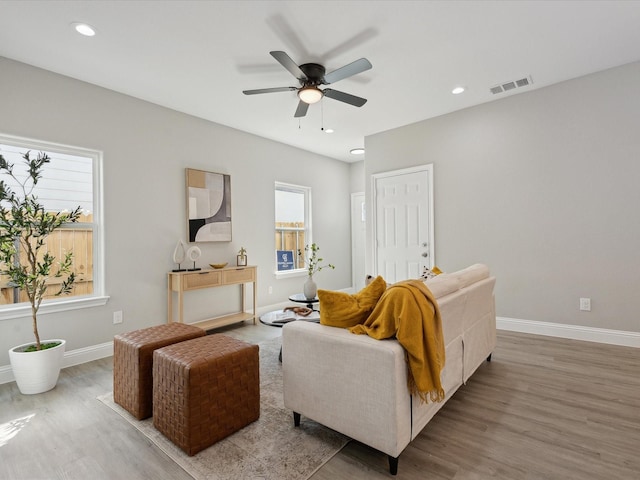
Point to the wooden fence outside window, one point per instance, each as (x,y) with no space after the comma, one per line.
(290,236)
(77,240)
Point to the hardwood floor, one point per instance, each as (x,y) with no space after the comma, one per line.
(544,408)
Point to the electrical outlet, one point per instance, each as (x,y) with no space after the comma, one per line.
(270,289)
(585,304)
(117,317)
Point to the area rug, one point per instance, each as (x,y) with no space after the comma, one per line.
(269,449)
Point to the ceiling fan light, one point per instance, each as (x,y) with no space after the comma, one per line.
(310,94)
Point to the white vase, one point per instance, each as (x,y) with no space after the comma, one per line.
(310,289)
(36,372)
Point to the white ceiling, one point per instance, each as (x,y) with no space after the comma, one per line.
(197,56)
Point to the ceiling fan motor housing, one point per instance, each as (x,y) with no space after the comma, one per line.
(314,72)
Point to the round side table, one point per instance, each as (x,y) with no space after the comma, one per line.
(300,298)
(280,317)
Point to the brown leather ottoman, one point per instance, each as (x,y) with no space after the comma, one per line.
(132,358)
(204,390)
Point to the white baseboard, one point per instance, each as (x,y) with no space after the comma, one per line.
(71,358)
(573,332)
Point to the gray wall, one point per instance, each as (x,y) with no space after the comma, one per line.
(543,187)
(357,177)
(146,149)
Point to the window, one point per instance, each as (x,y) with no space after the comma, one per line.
(292,226)
(71,179)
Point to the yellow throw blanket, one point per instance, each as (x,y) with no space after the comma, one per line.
(409,311)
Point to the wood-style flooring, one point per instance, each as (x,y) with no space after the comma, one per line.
(544,408)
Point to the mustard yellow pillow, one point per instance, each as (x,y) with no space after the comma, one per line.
(340,309)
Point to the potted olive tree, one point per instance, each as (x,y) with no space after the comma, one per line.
(25,225)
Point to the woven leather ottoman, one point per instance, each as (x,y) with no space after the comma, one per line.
(132,358)
(204,390)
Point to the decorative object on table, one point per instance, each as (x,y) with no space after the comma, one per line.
(179,254)
(310,288)
(241,259)
(300,298)
(314,264)
(218,266)
(193,254)
(208,206)
(25,225)
(302,311)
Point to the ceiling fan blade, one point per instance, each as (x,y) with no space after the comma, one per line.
(301,111)
(268,90)
(353,68)
(286,62)
(344,97)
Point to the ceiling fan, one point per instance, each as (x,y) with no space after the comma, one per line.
(311,76)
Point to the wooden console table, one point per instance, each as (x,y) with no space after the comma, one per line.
(181,282)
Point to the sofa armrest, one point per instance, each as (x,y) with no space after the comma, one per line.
(351,383)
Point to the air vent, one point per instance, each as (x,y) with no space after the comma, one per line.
(511,85)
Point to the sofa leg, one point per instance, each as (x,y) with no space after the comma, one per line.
(489,357)
(296,419)
(393,465)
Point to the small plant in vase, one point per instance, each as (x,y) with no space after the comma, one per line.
(241,258)
(25,261)
(314,264)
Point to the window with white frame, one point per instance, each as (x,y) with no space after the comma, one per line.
(292,226)
(70,180)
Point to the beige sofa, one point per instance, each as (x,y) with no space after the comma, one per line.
(358,386)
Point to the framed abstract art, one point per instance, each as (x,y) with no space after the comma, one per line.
(208,206)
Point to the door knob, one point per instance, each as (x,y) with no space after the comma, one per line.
(425,254)
(424,244)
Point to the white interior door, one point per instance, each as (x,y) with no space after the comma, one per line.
(358,241)
(403,223)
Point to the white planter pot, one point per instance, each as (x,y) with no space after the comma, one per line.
(310,289)
(37,372)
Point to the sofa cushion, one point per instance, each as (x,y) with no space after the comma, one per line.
(472,274)
(443,284)
(340,309)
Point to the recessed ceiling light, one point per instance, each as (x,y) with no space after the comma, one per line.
(357,151)
(84,29)
(329,130)
(457,90)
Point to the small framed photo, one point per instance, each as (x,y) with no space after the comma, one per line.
(241,260)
